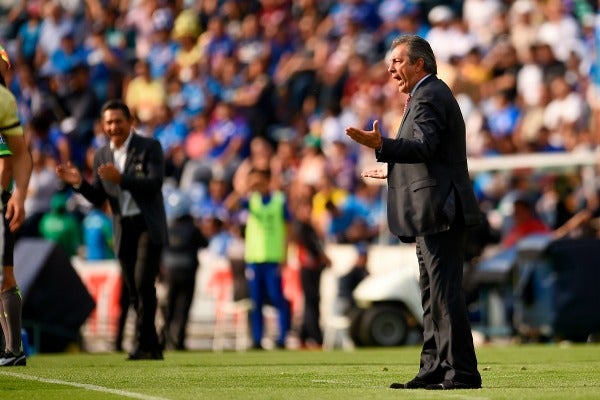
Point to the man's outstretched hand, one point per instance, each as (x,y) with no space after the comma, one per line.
(377,173)
(68,173)
(371,139)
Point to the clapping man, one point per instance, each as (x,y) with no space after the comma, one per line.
(128,171)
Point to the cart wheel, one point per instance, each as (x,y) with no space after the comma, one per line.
(355,324)
(384,325)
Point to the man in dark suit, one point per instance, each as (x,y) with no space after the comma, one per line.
(129,173)
(430,202)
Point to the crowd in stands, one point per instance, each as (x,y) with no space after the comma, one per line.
(231,85)
(274,83)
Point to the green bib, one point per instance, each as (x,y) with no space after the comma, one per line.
(266,230)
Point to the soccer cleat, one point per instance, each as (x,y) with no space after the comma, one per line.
(9,359)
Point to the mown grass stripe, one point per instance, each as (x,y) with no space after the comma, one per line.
(85,386)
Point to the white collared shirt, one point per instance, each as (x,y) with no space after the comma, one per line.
(412,92)
(126,202)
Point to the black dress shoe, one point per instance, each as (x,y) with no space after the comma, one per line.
(145,355)
(450,385)
(415,383)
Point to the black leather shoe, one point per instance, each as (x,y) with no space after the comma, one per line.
(415,383)
(451,385)
(145,355)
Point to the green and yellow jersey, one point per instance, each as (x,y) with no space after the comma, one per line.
(9,116)
(9,119)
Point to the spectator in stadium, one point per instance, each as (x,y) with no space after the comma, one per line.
(106,64)
(81,105)
(46,135)
(29,33)
(98,237)
(284,165)
(352,220)
(68,55)
(163,48)
(256,98)
(261,154)
(171,132)
(228,137)
(215,201)
(313,260)
(584,221)
(144,94)
(216,42)
(43,185)
(312,165)
(56,23)
(180,262)
(350,280)
(526,222)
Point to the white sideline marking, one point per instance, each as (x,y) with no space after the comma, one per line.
(85,386)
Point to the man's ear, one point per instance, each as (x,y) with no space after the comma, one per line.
(3,70)
(420,64)
(4,63)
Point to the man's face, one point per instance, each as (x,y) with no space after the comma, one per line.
(400,68)
(258,182)
(116,126)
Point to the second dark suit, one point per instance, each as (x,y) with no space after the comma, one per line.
(431,201)
(139,239)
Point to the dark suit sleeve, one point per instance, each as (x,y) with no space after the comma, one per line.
(425,120)
(94,192)
(145,176)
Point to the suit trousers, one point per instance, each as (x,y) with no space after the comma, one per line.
(448,352)
(140,261)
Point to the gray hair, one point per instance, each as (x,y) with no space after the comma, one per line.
(418,48)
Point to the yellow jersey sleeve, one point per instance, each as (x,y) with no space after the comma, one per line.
(9,116)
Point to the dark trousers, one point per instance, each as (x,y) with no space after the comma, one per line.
(448,352)
(140,260)
(181,283)
(311,281)
(124,303)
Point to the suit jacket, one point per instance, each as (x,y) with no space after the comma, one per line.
(427,165)
(143,177)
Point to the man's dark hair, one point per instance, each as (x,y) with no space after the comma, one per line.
(116,104)
(418,48)
(262,171)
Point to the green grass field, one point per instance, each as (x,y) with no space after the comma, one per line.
(509,372)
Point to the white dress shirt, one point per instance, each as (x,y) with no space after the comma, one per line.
(126,202)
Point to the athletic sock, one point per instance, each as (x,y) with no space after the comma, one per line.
(11,300)
(4,325)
